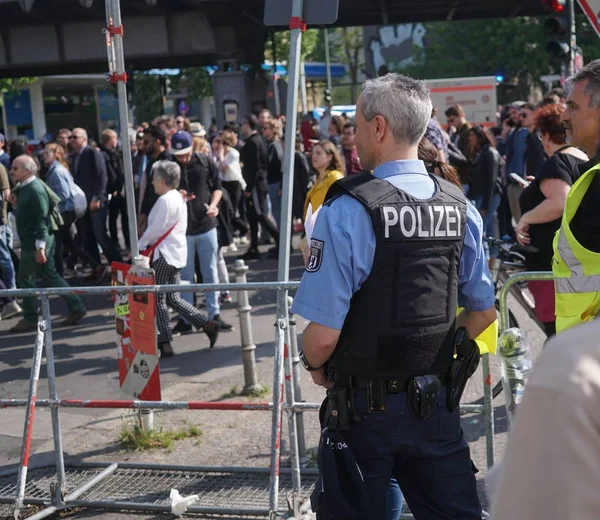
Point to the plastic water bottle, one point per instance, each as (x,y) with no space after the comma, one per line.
(515,350)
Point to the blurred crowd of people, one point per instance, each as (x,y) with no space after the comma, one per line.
(516,173)
(230,182)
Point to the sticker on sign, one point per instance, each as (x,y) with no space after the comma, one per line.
(591,8)
(315,12)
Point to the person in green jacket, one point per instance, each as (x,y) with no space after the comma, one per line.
(33,208)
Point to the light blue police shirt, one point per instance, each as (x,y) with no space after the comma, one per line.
(346,230)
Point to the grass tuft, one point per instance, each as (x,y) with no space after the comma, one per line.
(134,438)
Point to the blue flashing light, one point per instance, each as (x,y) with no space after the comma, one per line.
(499,78)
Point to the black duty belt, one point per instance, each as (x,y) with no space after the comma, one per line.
(392,386)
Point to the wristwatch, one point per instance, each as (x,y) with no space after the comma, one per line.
(306,364)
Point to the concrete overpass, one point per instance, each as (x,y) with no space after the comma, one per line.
(65,36)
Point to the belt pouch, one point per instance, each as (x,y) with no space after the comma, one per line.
(376,395)
(423,393)
(338,414)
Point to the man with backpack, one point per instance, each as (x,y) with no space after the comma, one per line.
(36,216)
(201,186)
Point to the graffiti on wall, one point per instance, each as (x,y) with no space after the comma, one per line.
(392,46)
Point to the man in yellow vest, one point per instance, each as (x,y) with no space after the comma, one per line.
(576,264)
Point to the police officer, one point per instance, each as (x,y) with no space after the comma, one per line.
(576,263)
(392,255)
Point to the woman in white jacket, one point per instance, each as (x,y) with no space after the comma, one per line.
(165,238)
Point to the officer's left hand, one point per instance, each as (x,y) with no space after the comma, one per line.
(320,378)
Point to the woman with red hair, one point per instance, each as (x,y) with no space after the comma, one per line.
(543,202)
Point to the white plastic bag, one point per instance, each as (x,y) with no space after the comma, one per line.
(180,504)
(79,200)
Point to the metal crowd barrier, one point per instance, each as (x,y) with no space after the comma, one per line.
(526,276)
(65,494)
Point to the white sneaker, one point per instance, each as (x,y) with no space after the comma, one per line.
(11,309)
(244,240)
(232,247)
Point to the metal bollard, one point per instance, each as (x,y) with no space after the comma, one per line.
(303,457)
(248,346)
(515,351)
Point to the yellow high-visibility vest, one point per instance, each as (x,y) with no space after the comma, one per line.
(576,269)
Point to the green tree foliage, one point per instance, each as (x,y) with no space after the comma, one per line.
(196,80)
(310,46)
(587,39)
(146,98)
(352,44)
(8,85)
(513,47)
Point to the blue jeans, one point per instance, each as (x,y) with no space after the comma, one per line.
(274,190)
(394,501)
(207,247)
(9,236)
(6,265)
(489,221)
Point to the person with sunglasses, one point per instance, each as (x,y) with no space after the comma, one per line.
(89,172)
(543,203)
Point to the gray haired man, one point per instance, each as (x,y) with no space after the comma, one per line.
(33,207)
(582,118)
(392,256)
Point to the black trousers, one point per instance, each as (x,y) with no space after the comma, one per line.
(92,229)
(116,206)
(64,238)
(256,205)
(236,194)
(429,458)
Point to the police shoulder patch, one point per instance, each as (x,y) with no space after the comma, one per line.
(316,255)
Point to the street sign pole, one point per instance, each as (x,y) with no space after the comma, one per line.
(116,66)
(303,91)
(296,14)
(275,76)
(118,76)
(297,27)
(572,38)
(327,58)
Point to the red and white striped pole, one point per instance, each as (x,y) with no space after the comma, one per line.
(29,416)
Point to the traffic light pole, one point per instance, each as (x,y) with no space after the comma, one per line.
(327,58)
(572,38)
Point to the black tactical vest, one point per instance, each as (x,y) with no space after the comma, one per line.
(401,322)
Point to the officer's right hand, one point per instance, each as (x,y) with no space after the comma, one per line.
(320,378)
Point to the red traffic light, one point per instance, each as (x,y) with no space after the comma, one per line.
(558,6)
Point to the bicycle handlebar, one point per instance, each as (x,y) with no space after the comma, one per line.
(509,246)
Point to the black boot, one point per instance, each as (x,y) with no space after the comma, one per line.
(166,350)
(211,329)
